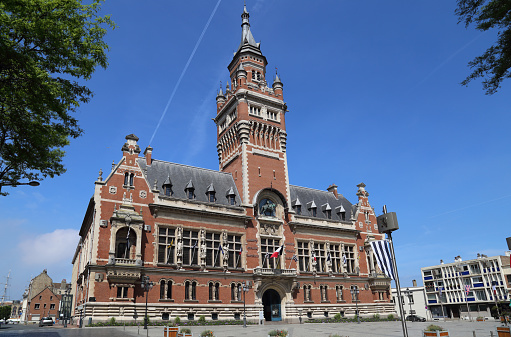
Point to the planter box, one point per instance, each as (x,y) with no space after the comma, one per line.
(181,334)
(436,333)
(480,319)
(503,331)
(170,331)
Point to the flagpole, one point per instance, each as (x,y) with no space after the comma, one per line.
(264,260)
(216,257)
(193,252)
(398,286)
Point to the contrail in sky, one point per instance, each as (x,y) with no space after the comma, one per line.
(184,70)
(470,206)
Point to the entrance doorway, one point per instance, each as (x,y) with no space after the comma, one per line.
(271,303)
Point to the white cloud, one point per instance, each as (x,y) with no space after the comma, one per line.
(49,248)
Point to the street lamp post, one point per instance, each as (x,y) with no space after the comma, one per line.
(354,294)
(30,183)
(244,287)
(409,294)
(146,286)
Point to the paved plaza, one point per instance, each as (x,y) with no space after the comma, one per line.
(384,329)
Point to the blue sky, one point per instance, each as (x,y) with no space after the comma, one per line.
(373,94)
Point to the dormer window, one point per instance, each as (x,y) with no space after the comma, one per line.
(313,209)
(210,192)
(327,210)
(341,212)
(314,212)
(190,190)
(298,209)
(167,187)
(328,214)
(231,196)
(297,206)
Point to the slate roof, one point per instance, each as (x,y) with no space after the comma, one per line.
(181,176)
(323,200)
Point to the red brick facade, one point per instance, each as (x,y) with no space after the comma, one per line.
(199,234)
(44,304)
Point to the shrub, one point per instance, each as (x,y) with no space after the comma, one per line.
(338,316)
(111,321)
(202,319)
(177,320)
(278,333)
(206,333)
(186,330)
(376,317)
(391,317)
(433,327)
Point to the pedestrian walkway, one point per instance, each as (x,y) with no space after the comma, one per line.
(383,329)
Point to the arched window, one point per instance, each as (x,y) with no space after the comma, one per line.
(166,289)
(236,292)
(190,290)
(132,176)
(214,291)
(126,178)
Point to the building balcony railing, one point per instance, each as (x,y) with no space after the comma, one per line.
(125,262)
(274,272)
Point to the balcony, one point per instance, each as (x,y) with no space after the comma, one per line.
(274,272)
(125,262)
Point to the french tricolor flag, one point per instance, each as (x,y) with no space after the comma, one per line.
(277,252)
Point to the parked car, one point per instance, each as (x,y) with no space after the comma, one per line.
(415,318)
(46,321)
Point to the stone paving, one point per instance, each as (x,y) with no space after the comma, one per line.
(384,329)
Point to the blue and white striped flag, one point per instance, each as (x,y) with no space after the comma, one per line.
(381,250)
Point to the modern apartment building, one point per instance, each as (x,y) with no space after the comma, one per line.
(467,289)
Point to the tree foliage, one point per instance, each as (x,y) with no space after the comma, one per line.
(495,63)
(5,312)
(46,46)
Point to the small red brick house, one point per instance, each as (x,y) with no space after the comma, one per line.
(44,304)
(200,234)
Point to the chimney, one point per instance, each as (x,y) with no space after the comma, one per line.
(414,283)
(333,188)
(148,153)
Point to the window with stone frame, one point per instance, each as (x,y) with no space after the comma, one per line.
(37,306)
(349,253)
(166,245)
(236,290)
(307,289)
(319,250)
(234,257)
(126,178)
(166,289)
(52,306)
(268,247)
(354,293)
(122,292)
(213,254)
(303,255)
(190,247)
(335,255)
(190,290)
(324,292)
(338,293)
(214,291)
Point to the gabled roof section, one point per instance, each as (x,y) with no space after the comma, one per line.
(326,199)
(183,176)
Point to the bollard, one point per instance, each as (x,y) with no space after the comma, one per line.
(491,333)
(138,329)
(474,334)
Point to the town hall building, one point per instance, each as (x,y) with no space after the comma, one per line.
(202,235)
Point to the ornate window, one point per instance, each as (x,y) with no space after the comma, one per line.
(324,292)
(268,247)
(338,293)
(190,190)
(354,293)
(236,292)
(214,291)
(267,207)
(307,288)
(122,292)
(167,187)
(303,256)
(190,247)
(132,176)
(319,251)
(349,255)
(166,245)
(166,289)
(210,193)
(234,243)
(190,290)
(213,258)
(335,256)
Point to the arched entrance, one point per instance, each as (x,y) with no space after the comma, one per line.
(271,304)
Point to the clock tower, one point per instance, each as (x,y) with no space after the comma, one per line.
(251,129)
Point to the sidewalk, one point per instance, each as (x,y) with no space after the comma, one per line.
(384,329)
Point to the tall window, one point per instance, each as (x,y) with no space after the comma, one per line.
(166,245)
(236,292)
(335,255)
(126,178)
(234,243)
(338,293)
(165,289)
(190,290)
(349,253)
(324,292)
(268,247)
(214,291)
(132,176)
(354,293)
(319,249)
(190,247)
(303,256)
(307,288)
(213,254)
